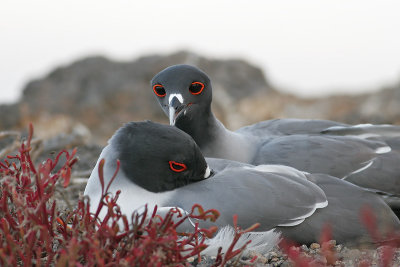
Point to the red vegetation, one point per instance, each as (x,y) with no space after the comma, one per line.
(389,241)
(33,231)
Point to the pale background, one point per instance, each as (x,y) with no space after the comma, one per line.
(310,48)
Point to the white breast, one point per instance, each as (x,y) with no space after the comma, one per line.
(132,196)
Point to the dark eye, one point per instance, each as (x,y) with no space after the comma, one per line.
(159,90)
(176,166)
(196,88)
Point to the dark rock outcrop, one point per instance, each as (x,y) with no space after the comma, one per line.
(102,94)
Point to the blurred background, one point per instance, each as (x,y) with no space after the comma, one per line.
(79,69)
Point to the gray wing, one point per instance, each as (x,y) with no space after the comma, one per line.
(268,198)
(217,164)
(362,129)
(346,201)
(387,133)
(368,163)
(287,127)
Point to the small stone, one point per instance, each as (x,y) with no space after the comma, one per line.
(277,264)
(262,260)
(304,248)
(286,264)
(280,262)
(339,264)
(320,260)
(339,248)
(279,253)
(332,242)
(315,246)
(272,254)
(274,259)
(190,259)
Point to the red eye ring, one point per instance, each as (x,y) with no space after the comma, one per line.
(176,166)
(157,93)
(199,92)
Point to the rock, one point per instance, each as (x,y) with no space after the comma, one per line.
(319,260)
(339,248)
(102,94)
(315,246)
(271,255)
(304,248)
(10,116)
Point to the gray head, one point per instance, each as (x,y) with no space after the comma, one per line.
(158,157)
(182,91)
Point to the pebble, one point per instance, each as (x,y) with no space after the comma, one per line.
(332,242)
(315,246)
(320,260)
(304,248)
(286,264)
(271,255)
(277,264)
(345,257)
(274,259)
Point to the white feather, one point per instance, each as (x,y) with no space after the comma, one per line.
(300,219)
(383,150)
(360,170)
(261,242)
(367,136)
(363,125)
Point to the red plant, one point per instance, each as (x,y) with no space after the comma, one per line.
(390,239)
(27,226)
(292,250)
(33,231)
(328,248)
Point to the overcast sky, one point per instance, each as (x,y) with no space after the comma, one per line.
(310,47)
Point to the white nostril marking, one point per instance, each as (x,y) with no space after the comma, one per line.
(179,96)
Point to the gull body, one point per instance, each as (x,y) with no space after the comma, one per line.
(161,165)
(366,155)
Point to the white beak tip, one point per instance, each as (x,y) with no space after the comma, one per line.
(207,172)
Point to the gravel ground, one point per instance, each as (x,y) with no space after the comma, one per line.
(351,257)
